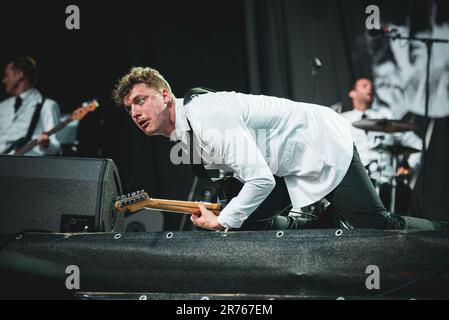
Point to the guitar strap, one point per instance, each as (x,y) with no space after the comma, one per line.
(34,120)
(22,141)
(198,169)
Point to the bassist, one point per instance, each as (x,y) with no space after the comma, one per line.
(26,102)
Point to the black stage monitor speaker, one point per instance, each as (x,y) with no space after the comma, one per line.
(58,194)
(145,221)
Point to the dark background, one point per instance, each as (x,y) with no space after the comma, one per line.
(243,45)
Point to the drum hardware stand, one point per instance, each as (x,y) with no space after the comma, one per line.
(393,181)
(379,181)
(393,184)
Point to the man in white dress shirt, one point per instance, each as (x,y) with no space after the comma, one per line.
(380,164)
(16,112)
(256,137)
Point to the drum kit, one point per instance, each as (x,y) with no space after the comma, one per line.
(395,150)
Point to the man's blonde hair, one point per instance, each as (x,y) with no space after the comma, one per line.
(136,75)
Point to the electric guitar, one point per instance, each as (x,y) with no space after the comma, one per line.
(140,200)
(21,147)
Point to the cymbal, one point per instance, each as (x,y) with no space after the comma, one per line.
(383,125)
(395,149)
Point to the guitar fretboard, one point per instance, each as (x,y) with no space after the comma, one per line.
(60,126)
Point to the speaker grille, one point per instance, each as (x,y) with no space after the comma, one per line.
(36,191)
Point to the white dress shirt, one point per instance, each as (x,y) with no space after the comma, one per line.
(366,141)
(257,136)
(14,126)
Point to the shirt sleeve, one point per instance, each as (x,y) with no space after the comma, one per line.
(229,139)
(410,139)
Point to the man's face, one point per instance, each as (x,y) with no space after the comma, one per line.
(147,108)
(11,79)
(363,91)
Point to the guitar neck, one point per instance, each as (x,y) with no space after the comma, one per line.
(176,206)
(60,126)
(30,145)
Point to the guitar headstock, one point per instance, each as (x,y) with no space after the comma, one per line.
(132,201)
(86,107)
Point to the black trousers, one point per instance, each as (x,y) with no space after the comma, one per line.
(353,200)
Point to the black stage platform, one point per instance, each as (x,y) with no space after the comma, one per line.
(296,264)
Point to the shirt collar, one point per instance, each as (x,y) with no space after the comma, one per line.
(359,111)
(181,124)
(369,112)
(29,93)
(372,109)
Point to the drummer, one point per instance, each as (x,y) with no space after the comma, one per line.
(378,163)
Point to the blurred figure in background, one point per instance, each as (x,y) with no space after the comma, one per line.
(379,164)
(25,104)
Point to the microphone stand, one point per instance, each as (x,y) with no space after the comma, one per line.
(428,42)
(316,64)
(189,198)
